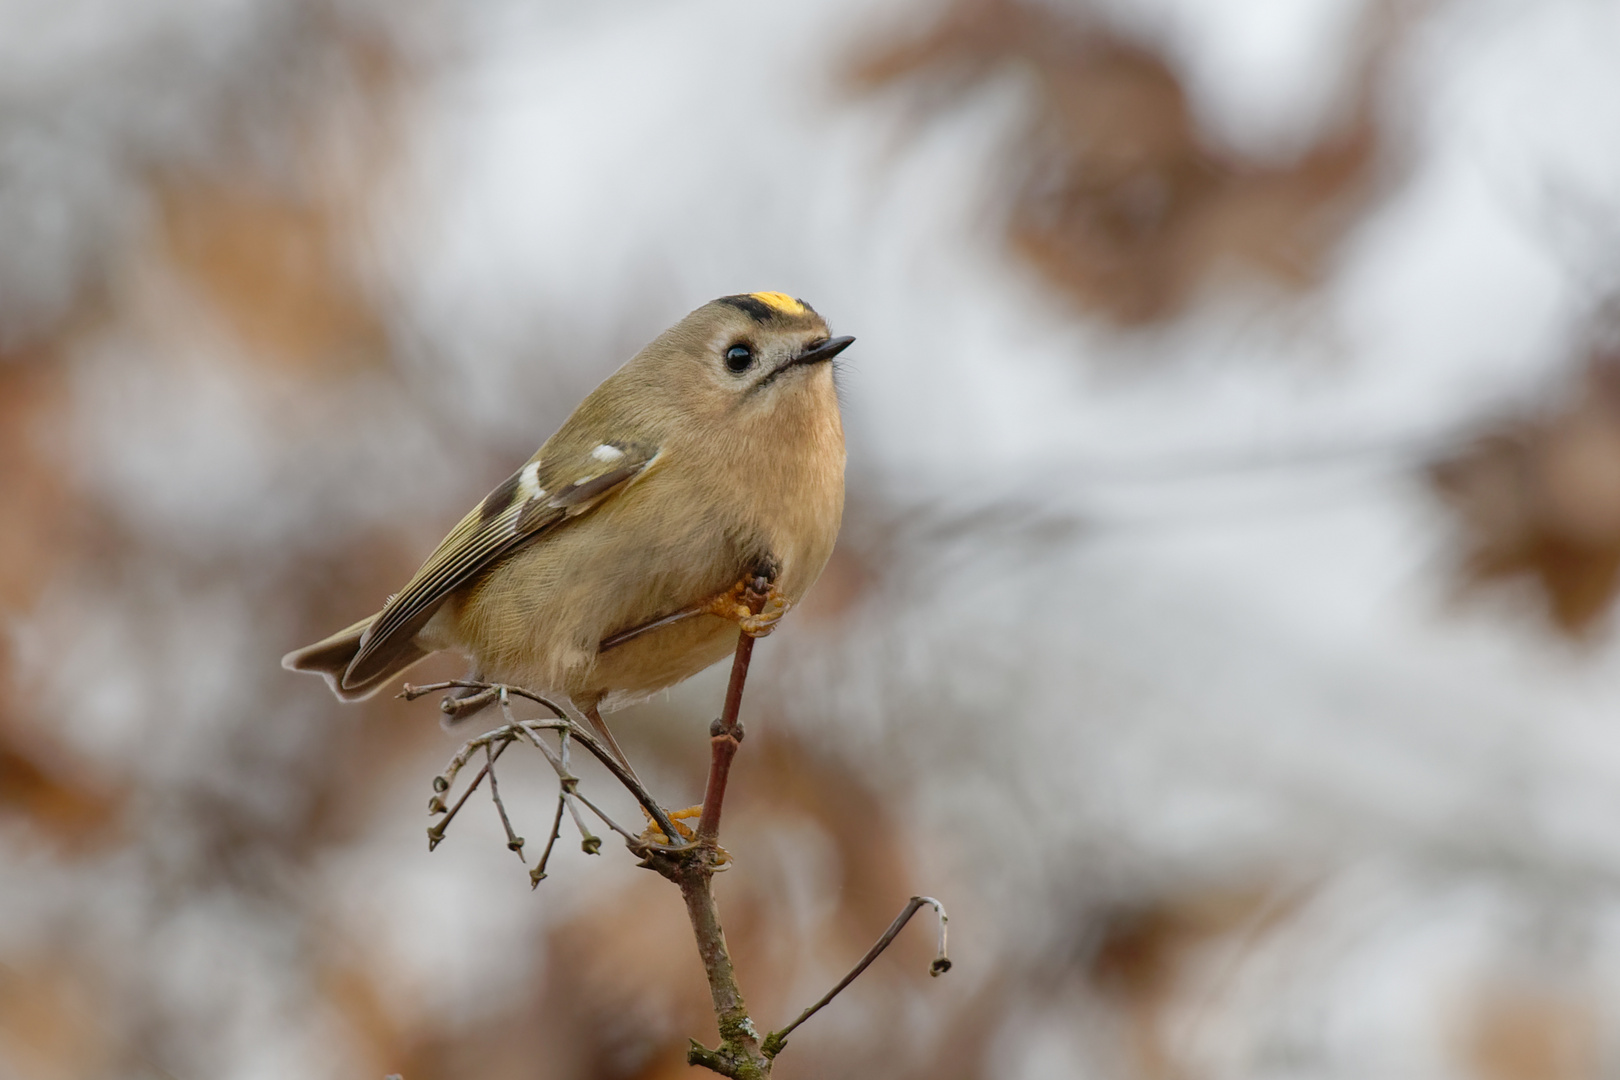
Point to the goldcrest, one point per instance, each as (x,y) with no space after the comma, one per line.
(609,566)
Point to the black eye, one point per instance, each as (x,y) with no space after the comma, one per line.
(739,358)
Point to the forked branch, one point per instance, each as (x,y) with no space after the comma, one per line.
(742,1053)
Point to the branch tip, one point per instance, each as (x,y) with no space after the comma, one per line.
(514,842)
(940,965)
(538,874)
(700,1055)
(942,960)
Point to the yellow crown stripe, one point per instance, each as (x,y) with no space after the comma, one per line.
(780,301)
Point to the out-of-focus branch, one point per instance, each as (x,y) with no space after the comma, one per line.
(742,1054)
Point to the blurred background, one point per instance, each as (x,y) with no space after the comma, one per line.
(1222,624)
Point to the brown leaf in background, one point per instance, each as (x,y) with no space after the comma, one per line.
(42,520)
(62,803)
(1521,1031)
(271,245)
(269,263)
(1540,498)
(1116,197)
(50,1026)
(1144,952)
(35,503)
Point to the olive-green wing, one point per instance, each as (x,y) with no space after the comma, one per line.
(538,497)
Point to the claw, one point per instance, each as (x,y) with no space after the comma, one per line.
(776,606)
(729,605)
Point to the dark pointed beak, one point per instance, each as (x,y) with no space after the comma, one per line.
(826,350)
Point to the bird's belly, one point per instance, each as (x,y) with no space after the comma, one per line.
(657,660)
(537,618)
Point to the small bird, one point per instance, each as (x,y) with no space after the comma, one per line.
(611,565)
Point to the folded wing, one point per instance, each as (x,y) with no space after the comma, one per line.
(537,498)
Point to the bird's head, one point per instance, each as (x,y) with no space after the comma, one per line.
(749,355)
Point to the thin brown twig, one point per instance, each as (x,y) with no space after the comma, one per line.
(538,874)
(558,759)
(564,722)
(727,732)
(411,693)
(514,842)
(570,784)
(436,804)
(455,707)
(589,842)
(776,1040)
(447,779)
(503,737)
(633,839)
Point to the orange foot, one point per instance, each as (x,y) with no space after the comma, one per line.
(676,818)
(730,605)
(653,834)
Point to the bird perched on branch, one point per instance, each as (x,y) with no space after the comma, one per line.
(613,563)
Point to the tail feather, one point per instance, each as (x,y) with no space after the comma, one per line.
(330,658)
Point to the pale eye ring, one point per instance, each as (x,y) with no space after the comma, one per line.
(739,358)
